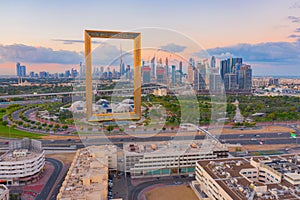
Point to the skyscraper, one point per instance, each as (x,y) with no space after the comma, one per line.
(160,74)
(122,65)
(81,69)
(199,77)
(173,74)
(21,70)
(213,62)
(146,71)
(215,82)
(153,70)
(167,69)
(181,72)
(245,77)
(227,66)
(230,82)
(128,72)
(191,67)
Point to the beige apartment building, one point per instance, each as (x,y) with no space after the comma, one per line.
(87,178)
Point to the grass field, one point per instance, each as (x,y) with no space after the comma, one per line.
(13,133)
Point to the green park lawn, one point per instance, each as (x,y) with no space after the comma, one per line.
(8,132)
(13,133)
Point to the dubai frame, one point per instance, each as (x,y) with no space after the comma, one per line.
(136,37)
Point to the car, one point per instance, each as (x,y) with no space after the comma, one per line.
(132,126)
(177,182)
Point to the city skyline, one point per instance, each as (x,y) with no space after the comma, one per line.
(39,37)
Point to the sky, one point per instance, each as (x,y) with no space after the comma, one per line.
(48,35)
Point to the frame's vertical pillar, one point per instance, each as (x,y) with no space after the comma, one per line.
(88,75)
(137,75)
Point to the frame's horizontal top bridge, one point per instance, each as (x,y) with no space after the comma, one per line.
(112,34)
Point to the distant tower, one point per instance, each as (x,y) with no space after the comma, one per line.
(153,70)
(167,68)
(21,70)
(191,68)
(121,61)
(173,74)
(213,62)
(181,72)
(18,67)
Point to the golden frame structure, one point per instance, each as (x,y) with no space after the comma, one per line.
(136,37)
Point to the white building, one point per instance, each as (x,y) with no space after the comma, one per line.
(4,193)
(23,163)
(168,158)
(263,178)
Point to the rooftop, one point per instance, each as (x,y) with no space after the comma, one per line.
(173,147)
(228,174)
(9,156)
(87,177)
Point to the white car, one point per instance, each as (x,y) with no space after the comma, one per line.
(132,126)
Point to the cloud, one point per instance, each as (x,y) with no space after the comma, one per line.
(294,36)
(175,48)
(74,41)
(295,5)
(297,30)
(276,52)
(30,54)
(106,54)
(294,19)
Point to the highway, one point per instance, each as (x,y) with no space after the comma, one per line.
(243,139)
(69,93)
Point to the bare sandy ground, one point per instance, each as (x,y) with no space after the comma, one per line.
(66,158)
(171,193)
(265,129)
(264,147)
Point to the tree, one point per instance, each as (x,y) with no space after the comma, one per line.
(110,128)
(57,126)
(65,127)
(4,123)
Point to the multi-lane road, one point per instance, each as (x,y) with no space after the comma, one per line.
(243,139)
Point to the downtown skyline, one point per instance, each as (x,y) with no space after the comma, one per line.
(49,36)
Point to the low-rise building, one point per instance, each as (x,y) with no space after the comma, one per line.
(146,159)
(23,163)
(274,177)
